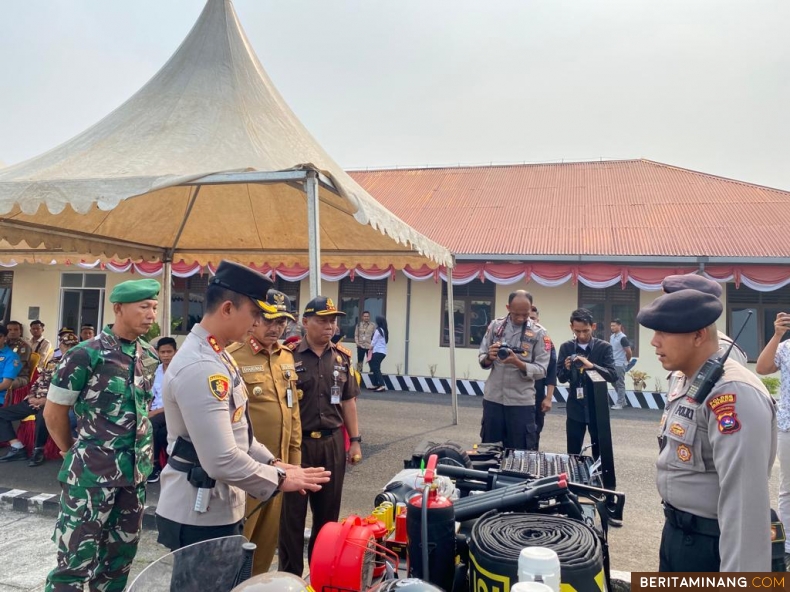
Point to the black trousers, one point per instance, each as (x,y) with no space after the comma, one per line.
(328,452)
(680,551)
(175,535)
(514,426)
(160,437)
(362,354)
(540,417)
(375,368)
(16,413)
(574,435)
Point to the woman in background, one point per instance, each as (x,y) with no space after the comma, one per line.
(378,351)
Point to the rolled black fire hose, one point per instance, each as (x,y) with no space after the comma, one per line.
(498,538)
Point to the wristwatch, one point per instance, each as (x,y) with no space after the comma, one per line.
(356,439)
(281,475)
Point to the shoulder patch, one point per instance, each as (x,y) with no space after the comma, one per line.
(343,350)
(219,385)
(724,408)
(292,346)
(546,343)
(720,401)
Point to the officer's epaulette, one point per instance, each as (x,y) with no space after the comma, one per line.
(292,343)
(343,350)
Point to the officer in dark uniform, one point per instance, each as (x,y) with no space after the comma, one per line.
(715,453)
(327,389)
(544,388)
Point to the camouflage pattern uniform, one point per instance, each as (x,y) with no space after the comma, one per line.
(104,473)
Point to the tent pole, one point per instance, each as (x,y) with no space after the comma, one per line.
(313,231)
(451,325)
(167,286)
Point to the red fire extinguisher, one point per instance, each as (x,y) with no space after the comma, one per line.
(430,525)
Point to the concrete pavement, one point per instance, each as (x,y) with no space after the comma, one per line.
(392,425)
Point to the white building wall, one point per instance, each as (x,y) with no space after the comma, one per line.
(39,285)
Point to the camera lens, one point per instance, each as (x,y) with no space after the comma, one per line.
(503,352)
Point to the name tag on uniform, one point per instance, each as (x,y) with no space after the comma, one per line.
(289,397)
(579,392)
(249,369)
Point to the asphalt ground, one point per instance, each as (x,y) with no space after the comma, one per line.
(393,424)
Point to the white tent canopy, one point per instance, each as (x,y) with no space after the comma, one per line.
(210,109)
(219,168)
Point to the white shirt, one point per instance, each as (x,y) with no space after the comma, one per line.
(378,345)
(782,361)
(159,377)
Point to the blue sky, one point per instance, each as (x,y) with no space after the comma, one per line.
(702,84)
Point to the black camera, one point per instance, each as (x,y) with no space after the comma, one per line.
(575,361)
(505,349)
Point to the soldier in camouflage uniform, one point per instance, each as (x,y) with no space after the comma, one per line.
(108,380)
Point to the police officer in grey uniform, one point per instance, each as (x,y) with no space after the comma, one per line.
(214,456)
(715,454)
(509,394)
(692,281)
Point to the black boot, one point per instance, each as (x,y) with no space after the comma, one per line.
(37,458)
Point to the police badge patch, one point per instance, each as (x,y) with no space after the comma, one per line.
(219,385)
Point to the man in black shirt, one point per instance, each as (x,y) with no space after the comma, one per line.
(544,388)
(590,353)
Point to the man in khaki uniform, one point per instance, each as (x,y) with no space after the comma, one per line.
(267,369)
(40,344)
(363,335)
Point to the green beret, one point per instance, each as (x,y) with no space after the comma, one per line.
(135,291)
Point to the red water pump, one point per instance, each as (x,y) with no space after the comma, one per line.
(430,524)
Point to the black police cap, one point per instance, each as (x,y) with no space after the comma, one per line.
(281,303)
(243,280)
(321,306)
(691,281)
(684,311)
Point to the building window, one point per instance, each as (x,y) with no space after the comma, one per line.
(6,281)
(760,326)
(473,311)
(82,300)
(612,303)
(357,297)
(290,289)
(187,303)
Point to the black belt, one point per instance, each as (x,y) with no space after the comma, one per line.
(691,524)
(318,434)
(178,465)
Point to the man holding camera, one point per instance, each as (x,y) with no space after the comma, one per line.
(583,352)
(517,351)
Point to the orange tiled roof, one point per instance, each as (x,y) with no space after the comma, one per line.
(608,208)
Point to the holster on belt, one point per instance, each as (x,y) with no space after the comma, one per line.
(691,524)
(196,475)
